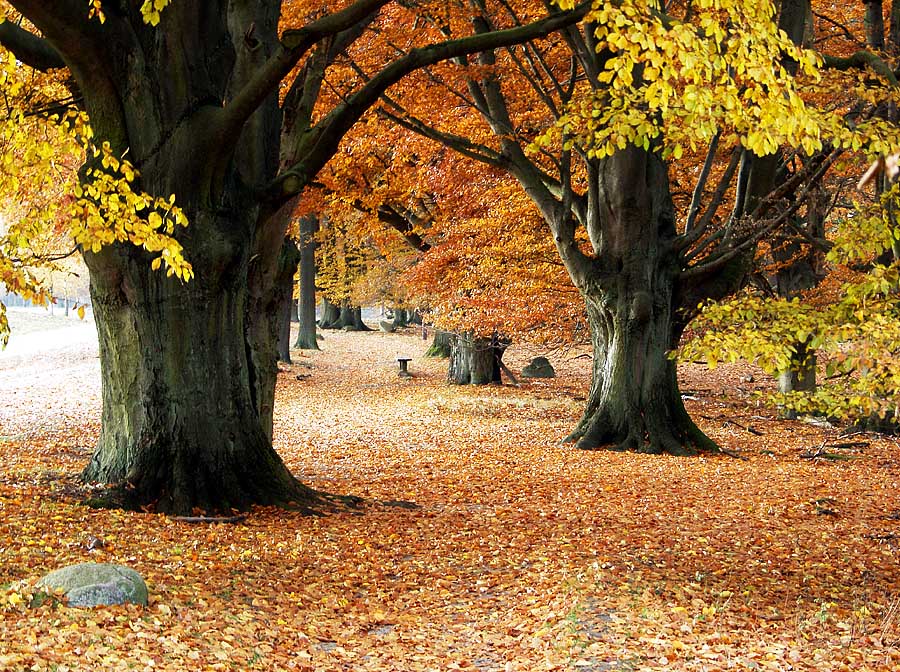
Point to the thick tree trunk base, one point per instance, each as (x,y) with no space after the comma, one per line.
(187,398)
(475,361)
(307,341)
(677,436)
(440,345)
(634,403)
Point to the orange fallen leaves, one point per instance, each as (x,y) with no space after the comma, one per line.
(522,554)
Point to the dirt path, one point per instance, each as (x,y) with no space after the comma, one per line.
(47,358)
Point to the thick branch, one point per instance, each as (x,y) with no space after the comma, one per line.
(32,50)
(862,59)
(294,44)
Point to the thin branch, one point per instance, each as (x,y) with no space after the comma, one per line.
(840,26)
(716,262)
(457,143)
(692,236)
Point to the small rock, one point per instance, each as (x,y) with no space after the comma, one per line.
(93,584)
(93,543)
(539,367)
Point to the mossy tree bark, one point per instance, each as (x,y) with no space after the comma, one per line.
(440,344)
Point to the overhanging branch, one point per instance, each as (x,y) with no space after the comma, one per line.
(32,50)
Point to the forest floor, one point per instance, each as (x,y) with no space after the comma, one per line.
(519,554)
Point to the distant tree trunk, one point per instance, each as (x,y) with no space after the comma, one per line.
(306,336)
(475,361)
(350,316)
(358,321)
(331,315)
(800,269)
(284,286)
(440,344)
(894,28)
(401,318)
(802,375)
(415,317)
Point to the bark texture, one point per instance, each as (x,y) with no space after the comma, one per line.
(629,291)
(475,361)
(306,336)
(181,426)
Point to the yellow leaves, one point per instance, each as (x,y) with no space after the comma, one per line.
(692,79)
(96,10)
(151,10)
(38,164)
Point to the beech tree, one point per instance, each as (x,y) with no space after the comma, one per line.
(589,122)
(189,92)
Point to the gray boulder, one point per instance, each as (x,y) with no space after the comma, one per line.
(93,584)
(539,368)
(387,327)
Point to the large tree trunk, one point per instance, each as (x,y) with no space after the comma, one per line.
(440,344)
(634,401)
(306,336)
(181,415)
(630,289)
(475,361)
(331,315)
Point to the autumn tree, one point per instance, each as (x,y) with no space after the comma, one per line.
(190,92)
(847,319)
(589,123)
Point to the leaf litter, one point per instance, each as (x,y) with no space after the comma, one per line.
(483,543)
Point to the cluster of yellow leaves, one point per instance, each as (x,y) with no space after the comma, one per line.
(675,84)
(38,171)
(858,338)
(857,333)
(150,10)
(109,211)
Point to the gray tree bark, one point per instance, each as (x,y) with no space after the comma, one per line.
(306,336)
(475,361)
